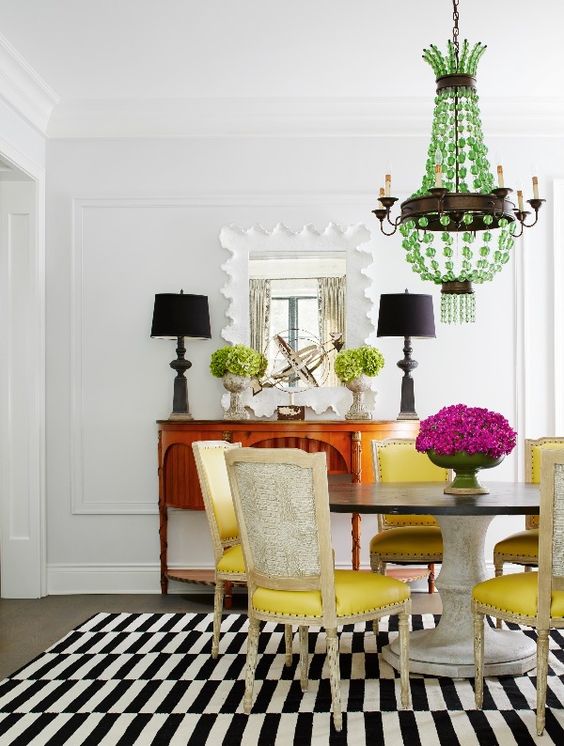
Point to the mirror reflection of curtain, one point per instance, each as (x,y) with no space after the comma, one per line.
(332,301)
(259,313)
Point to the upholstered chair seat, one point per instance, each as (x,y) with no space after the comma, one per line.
(533,599)
(517,593)
(282,504)
(356,592)
(409,543)
(522,546)
(405,539)
(231,562)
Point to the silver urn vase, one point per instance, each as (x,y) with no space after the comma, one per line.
(358,411)
(236,385)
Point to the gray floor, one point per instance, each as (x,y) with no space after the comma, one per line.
(28,627)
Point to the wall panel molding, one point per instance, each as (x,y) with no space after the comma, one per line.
(79,503)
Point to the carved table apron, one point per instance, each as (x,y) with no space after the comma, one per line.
(448,650)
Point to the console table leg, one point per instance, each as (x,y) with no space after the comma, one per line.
(356,519)
(356,456)
(163,526)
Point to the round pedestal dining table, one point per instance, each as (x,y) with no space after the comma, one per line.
(448,649)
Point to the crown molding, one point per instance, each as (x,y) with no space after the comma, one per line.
(292,117)
(24,89)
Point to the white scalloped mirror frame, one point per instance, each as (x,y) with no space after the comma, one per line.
(354,241)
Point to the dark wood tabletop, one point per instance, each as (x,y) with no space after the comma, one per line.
(504,498)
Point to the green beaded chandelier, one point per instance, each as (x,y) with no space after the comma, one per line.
(458,228)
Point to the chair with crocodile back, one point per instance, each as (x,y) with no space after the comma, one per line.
(282,504)
(533,599)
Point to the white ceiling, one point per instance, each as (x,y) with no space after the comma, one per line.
(178,49)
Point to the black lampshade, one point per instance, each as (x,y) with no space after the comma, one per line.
(406,315)
(181,315)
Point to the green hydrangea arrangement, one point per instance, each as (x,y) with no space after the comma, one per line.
(350,364)
(239,360)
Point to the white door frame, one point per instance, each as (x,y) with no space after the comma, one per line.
(24,558)
(558,274)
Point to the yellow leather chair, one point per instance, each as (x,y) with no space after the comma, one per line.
(405,539)
(533,599)
(522,548)
(209,456)
(282,505)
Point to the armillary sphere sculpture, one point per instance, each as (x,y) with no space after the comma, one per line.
(300,361)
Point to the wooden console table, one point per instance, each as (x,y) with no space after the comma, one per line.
(346,443)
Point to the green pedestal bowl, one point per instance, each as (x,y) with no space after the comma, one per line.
(465,467)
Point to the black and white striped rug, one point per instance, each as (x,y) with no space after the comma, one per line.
(141,679)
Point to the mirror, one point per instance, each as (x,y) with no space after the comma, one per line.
(298,301)
(297,265)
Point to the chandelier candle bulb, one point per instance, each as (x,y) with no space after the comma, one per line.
(520,200)
(382,194)
(535,187)
(438,176)
(388,183)
(500,181)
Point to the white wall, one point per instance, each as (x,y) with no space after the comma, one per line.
(129,218)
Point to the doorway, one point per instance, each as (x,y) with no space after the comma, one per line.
(22,389)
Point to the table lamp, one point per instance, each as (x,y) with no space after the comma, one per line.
(406,315)
(175,316)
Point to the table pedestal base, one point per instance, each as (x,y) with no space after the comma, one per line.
(448,650)
(504,655)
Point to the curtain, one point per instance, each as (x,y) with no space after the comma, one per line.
(332,301)
(259,313)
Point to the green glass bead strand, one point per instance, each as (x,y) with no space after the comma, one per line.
(463,57)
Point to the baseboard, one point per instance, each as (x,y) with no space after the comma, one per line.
(68,579)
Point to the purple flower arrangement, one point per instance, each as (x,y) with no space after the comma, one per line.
(470,429)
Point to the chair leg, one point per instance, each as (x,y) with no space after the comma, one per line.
(376,564)
(431,578)
(217,612)
(288,635)
(381,567)
(478,657)
(498,570)
(375,626)
(252,647)
(334,676)
(304,657)
(403,624)
(228,601)
(542,670)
